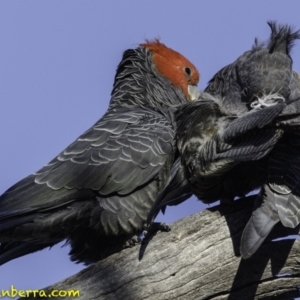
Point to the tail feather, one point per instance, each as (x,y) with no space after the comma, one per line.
(13,250)
(255,232)
(262,221)
(284,179)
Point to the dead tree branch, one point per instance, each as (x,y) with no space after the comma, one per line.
(196,260)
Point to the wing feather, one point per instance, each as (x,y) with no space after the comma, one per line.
(124,150)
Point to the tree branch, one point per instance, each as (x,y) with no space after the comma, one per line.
(196,260)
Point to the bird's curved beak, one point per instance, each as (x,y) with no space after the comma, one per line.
(193,92)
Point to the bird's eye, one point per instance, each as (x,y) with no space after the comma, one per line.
(188,71)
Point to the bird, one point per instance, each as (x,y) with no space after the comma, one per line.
(264,70)
(96,193)
(221,156)
(241,135)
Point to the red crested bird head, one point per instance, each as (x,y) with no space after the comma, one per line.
(175,67)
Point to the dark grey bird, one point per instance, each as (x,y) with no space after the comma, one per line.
(259,74)
(221,156)
(97,193)
(243,135)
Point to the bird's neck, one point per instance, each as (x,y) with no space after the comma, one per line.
(137,83)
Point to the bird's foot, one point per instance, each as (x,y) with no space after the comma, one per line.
(148,234)
(154,227)
(132,242)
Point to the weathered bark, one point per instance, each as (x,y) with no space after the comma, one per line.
(196,260)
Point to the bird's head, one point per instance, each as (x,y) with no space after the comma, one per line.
(175,67)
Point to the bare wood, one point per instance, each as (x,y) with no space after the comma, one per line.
(196,260)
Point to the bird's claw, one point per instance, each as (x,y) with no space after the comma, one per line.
(154,227)
(132,242)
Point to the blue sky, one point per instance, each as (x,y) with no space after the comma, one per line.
(57,65)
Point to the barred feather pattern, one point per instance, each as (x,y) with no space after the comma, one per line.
(98,191)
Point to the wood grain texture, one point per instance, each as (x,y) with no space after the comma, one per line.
(196,260)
